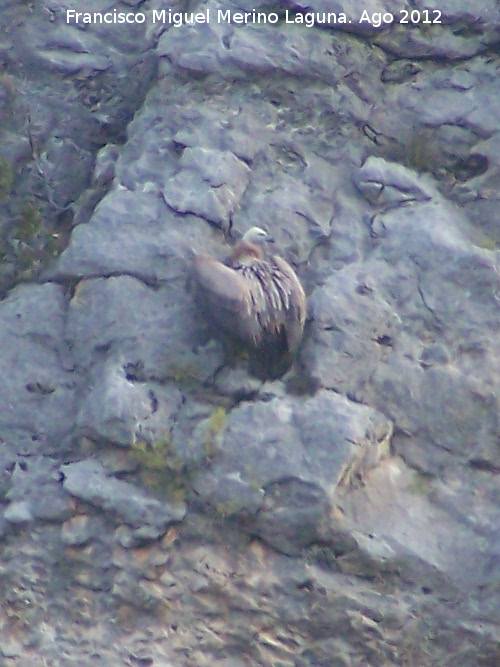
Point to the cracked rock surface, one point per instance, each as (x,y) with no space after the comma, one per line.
(159,506)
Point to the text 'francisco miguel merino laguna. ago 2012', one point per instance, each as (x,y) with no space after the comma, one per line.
(308,19)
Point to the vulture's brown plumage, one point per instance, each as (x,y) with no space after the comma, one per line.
(253,304)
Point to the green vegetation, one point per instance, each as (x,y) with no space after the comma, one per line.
(420,484)
(224,510)
(255,485)
(165,483)
(30,245)
(487,243)
(154,456)
(185,376)
(217,421)
(160,471)
(30,222)
(420,153)
(215,425)
(6,178)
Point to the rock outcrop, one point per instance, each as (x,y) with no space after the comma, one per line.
(163,508)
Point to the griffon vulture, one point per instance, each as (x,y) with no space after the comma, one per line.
(253,305)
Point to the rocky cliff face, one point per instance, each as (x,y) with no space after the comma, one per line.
(161,507)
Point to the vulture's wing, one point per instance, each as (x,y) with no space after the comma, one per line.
(232,302)
(294,302)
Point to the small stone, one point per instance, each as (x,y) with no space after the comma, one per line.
(18,512)
(78,530)
(9,650)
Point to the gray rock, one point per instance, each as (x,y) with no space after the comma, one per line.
(87,480)
(3,526)
(136,326)
(33,350)
(81,529)
(139,594)
(372,156)
(35,492)
(389,184)
(364,314)
(104,167)
(64,167)
(73,81)
(382,500)
(120,411)
(18,512)
(273,459)
(209,184)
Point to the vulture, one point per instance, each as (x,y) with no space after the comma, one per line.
(254,305)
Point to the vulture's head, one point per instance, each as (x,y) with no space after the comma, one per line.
(257,236)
